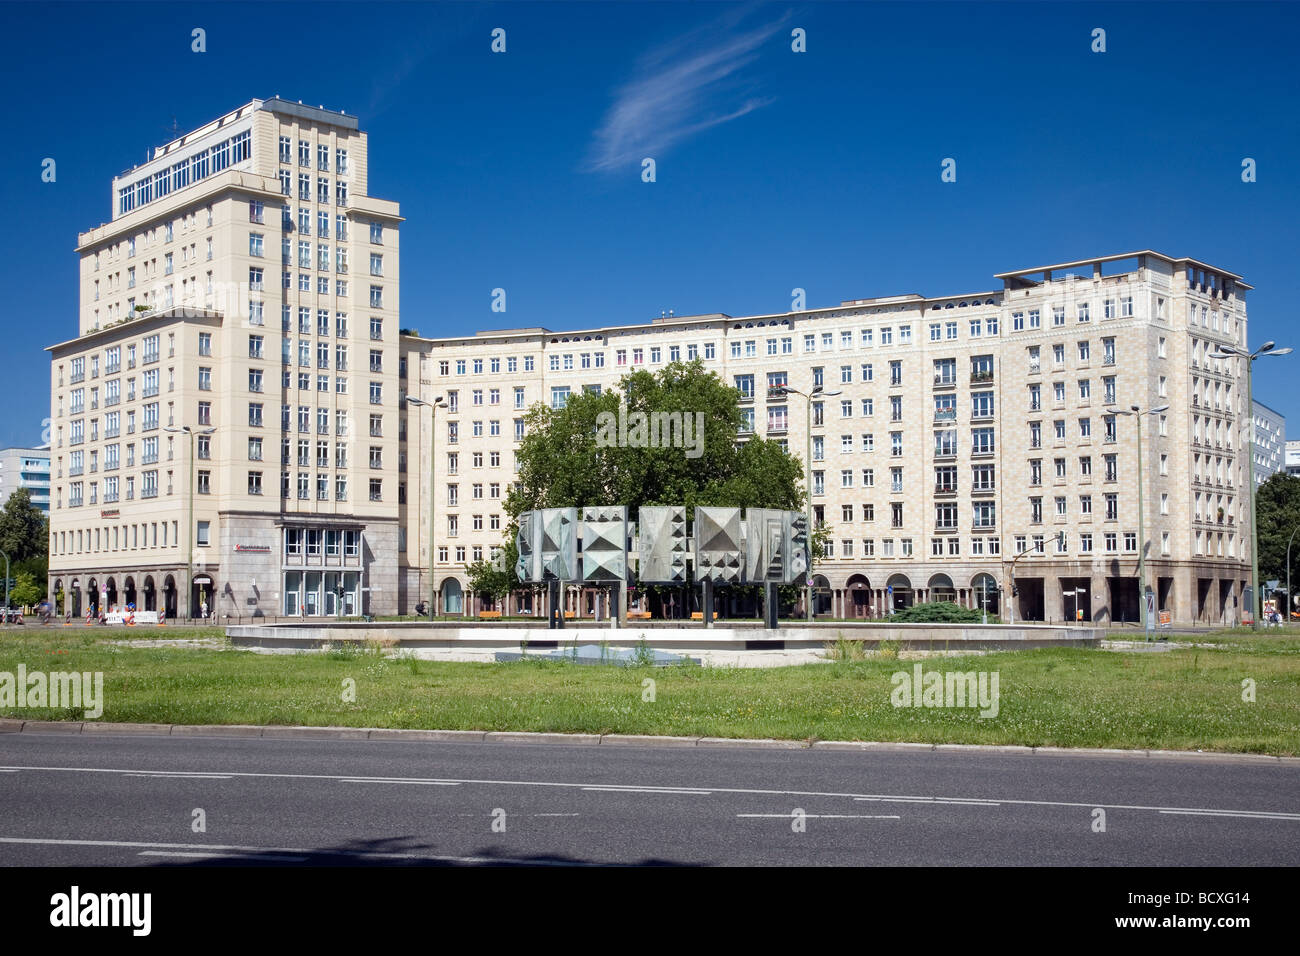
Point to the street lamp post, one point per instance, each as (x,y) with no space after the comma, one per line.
(1227,352)
(817,391)
(433,407)
(189,564)
(1287,618)
(1137,413)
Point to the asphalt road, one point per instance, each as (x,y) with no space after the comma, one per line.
(131,801)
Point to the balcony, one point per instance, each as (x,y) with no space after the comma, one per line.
(945,489)
(945,380)
(941,454)
(943,415)
(981,378)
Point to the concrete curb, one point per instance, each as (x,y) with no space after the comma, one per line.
(12,726)
(646,740)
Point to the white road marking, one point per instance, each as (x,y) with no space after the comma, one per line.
(817,816)
(1244,814)
(178,776)
(420,783)
(957,801)
(654,790)
(746,791)
(207,850)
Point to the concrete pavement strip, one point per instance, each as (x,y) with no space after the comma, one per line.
(13,726)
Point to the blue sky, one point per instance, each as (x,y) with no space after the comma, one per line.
(775,169)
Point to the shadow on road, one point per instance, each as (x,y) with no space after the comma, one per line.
(388,852)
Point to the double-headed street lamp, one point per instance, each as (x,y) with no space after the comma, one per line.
(189,565)
(433,407)
(1227,352)
(1137,412)
(818,391)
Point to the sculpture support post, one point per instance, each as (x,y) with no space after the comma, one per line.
(706,608)
(553,595)
(770,607)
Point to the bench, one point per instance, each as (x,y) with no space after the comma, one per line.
(489,614)
(639,615)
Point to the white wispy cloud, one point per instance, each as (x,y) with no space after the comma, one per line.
(681,88)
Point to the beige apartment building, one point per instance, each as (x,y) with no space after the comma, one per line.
(960,445)
(218,423)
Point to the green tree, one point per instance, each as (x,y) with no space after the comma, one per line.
(25,591)
(1278,514)
(485,578)
(23,528)
(563,464)
(567,460)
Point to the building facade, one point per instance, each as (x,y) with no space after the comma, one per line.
(964,447)
(970,444)
(1293,457)
(26,468)
(224,440)
(1270,441)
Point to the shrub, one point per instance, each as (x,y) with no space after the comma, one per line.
(940,612)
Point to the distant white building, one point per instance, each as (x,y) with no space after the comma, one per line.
(1293,457)
(26,468)
(1270,441)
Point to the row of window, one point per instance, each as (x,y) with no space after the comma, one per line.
(151,534)
(183,173)
(321,542)
(1111,309)
(980,546)
(476,430)
(322,486)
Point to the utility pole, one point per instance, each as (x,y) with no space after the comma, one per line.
(433,407)
(189,539)
(1226,352)
(1137,413)
(818,391)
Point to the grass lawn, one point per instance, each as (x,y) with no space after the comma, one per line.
(1181,699)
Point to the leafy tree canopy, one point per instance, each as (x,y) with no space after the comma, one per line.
(23,528)
(566,459)
(1278,515)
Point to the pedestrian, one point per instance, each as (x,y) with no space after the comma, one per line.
(203,610)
